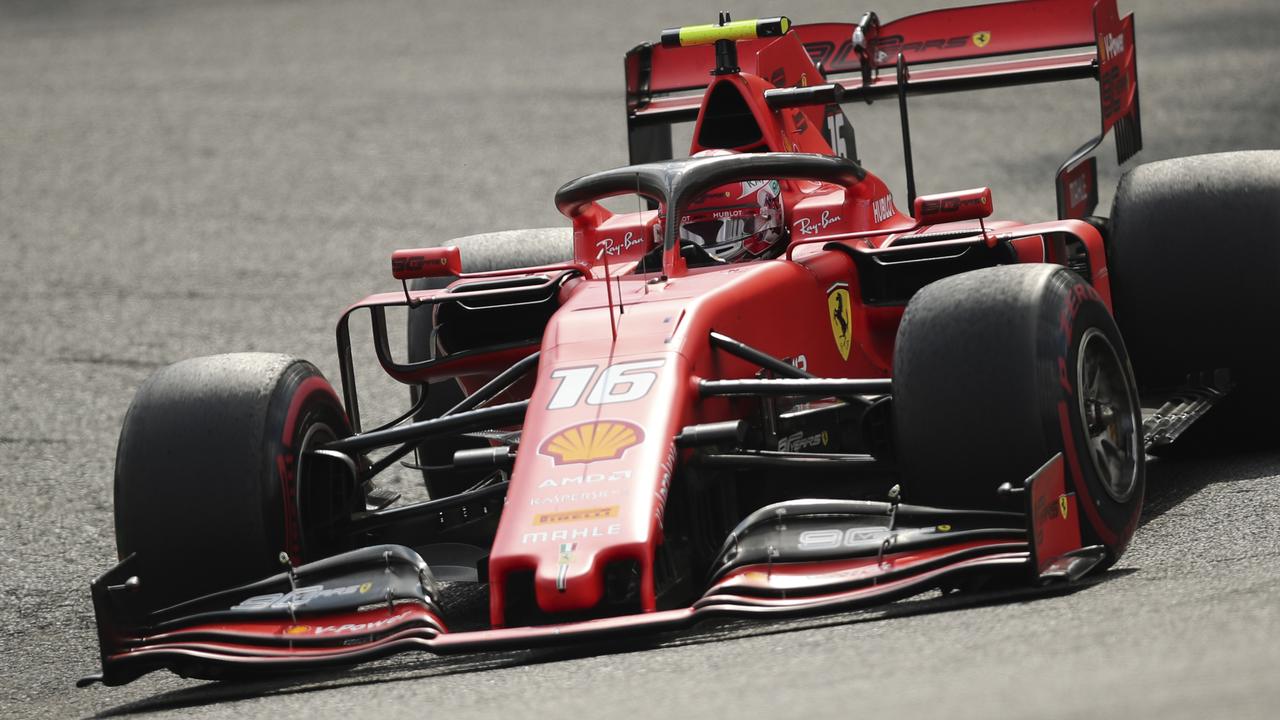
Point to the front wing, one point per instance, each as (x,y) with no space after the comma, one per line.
(378,601)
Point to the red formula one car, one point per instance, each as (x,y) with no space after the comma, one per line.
(767,391)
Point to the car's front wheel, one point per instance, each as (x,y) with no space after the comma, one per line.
(214,477)
(996,371)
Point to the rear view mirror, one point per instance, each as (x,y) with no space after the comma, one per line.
(426,262)
(972,204)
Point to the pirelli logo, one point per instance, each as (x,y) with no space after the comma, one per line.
(564,516)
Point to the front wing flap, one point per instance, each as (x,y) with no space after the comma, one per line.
(790,558)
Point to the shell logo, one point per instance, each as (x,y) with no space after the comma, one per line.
(591,441)
(297,629)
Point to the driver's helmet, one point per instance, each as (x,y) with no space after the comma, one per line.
(736,222)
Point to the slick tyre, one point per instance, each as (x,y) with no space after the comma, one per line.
(996,371)
(480,253)
(1194,250)
(211,481)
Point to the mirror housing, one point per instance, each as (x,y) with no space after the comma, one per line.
(426,262)
(973,204)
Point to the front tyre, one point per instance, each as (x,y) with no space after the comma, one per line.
(212,478)
(997,370)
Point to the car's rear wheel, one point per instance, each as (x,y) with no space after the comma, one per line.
(997,370)
(213,478)
(480,253)
(1194,255)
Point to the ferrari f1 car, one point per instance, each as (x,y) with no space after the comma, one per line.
(766,391)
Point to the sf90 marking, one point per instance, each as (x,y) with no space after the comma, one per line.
(833,538)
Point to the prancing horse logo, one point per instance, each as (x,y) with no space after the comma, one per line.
(841,315)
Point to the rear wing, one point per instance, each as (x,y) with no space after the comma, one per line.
(949,50)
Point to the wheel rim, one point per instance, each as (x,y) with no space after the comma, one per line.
(316,435)
(1107,411)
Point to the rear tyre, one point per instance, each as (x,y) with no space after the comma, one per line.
(1194,243)
(997,370)
(480,253)
(211,482)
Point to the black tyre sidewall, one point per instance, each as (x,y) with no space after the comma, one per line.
(206,482)
(1194,242)
(984,378)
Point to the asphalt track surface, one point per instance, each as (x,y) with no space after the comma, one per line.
(180,179)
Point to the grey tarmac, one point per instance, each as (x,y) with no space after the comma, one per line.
(181,179)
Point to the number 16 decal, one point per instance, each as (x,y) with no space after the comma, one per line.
(618,383)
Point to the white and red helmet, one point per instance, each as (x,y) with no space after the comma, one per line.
(738,221)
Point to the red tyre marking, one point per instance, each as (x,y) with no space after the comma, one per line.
(292,534)
(1081,487)
(308,386)
(286,462)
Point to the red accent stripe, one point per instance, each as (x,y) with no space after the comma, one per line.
(308,386)
(287,462)
(1081,487)
(423,638)
(752,605)
(824,572)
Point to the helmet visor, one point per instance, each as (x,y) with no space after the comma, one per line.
(723,230)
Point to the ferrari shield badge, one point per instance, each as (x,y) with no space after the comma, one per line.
(841,317)
(981,39)
(1063,507)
